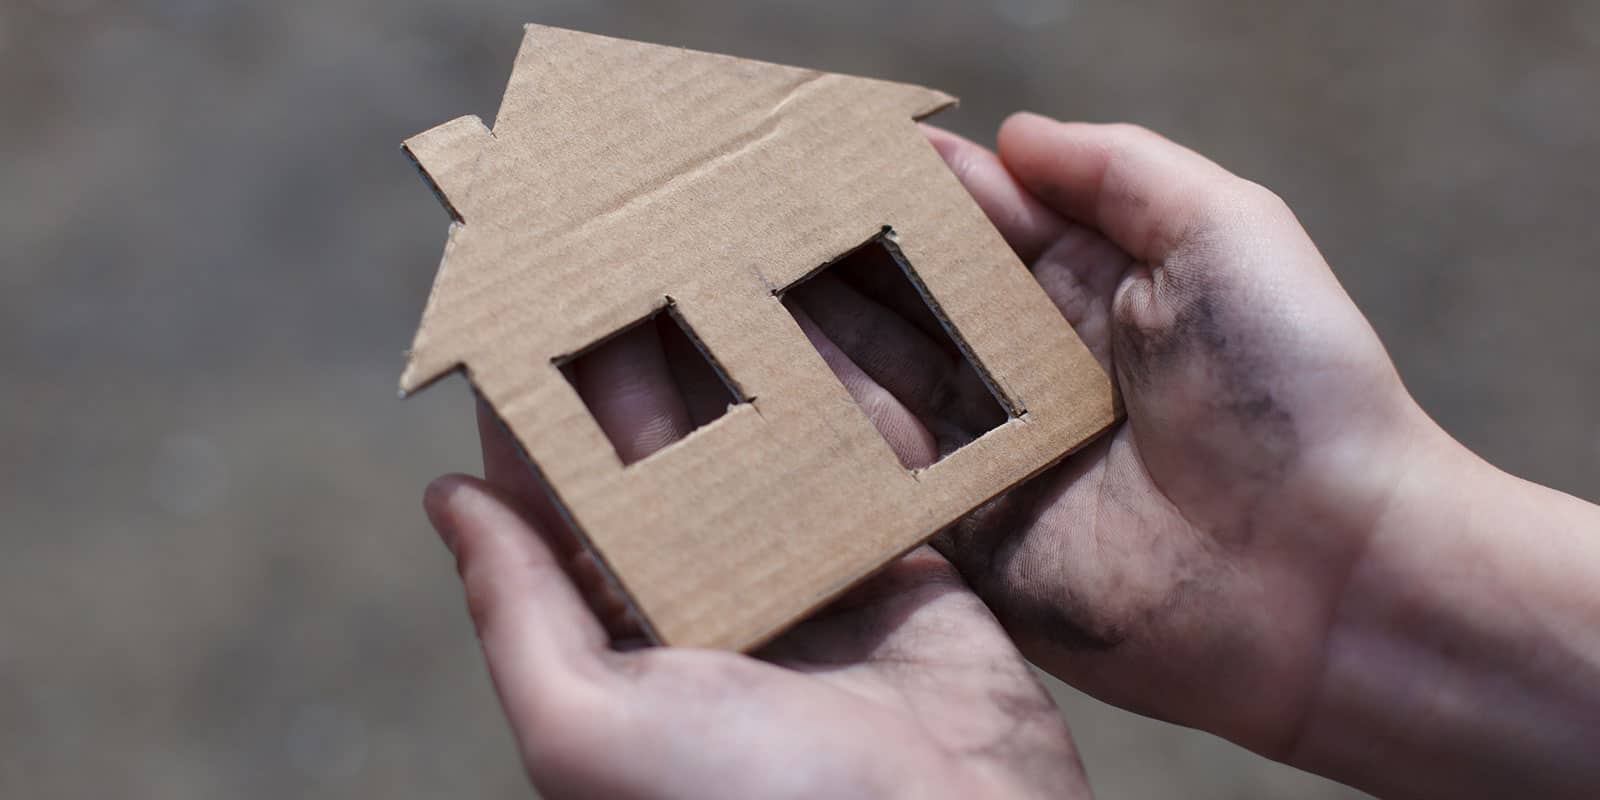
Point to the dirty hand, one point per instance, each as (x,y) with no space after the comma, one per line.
(1186,565)
(906,687)
(1271,545)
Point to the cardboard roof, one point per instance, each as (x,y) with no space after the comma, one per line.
(620,178)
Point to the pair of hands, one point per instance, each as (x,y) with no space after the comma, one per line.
(1191,565)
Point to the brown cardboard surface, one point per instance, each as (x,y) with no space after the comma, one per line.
(622,176)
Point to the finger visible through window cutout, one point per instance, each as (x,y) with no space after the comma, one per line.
(650,385)
(867,304)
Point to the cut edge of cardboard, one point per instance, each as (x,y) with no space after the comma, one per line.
(452,160)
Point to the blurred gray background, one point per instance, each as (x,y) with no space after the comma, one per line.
(217,581)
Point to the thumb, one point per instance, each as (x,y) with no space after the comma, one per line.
(1222,261)
(538,636)
(1145,193)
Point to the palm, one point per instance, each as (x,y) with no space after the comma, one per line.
(1147,568)
(1120,554)
(1045,555)
(911,659)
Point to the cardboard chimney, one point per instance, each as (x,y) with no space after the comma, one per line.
(621,179)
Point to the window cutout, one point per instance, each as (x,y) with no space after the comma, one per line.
(869,306)
(650,384)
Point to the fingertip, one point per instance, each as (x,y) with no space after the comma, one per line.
(441,492)
(1021,120)
(1027,142)
(948,144)
(441,501)
(962,155)
(1142,191)
(506,564)
(1024,222)
(1022,127)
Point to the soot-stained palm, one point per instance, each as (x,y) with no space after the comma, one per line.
(906,687)
(1186,565)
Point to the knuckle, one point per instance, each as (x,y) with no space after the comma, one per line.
(1136,324)
(1126,140)
(1225,207)
(1131,130)
(1258,198)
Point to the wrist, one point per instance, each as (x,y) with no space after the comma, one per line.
(1462,649)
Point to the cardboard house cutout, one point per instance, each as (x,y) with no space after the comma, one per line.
(622,178)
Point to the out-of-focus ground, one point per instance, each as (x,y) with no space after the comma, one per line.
(216,581)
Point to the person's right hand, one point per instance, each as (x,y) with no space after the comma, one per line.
(1188,564)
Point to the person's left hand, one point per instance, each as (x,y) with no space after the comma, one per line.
(906,687)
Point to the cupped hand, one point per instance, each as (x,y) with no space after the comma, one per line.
(906,687)
(1188,564)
